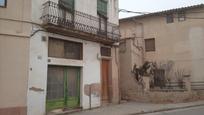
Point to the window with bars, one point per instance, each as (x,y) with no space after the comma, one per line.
(3,3)
(102,7)
(150,45)
(105,51)
(67,4)
(65,49)
(181,16)
(169,18)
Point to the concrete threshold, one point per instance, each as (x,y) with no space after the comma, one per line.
(64,112)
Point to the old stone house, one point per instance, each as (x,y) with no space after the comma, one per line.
(173,39)
(57,54)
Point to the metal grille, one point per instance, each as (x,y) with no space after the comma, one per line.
(55,83)
(72,82)
(53,14)
(161,82)
(199,85)
(159,78)
(105,51)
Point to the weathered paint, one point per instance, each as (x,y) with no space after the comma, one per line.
(27,56)
(37,75)
(38,72)
(178,42)
(91,71)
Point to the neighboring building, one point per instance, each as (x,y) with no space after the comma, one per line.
(57,54)
(173,39)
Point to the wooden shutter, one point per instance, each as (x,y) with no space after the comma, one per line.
(150,44)
(65,49)
(56,48)
(67,4)
(72,50)
(102,7)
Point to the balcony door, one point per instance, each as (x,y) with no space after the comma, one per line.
(102,25)
(66,13)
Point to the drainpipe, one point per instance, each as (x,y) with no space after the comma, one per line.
(90,105)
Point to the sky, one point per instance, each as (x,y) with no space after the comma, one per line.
(2,2)
(153,5)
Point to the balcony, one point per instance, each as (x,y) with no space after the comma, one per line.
(78,24)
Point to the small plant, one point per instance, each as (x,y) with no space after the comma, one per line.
(147,69)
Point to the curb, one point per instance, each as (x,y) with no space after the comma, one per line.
(166,109)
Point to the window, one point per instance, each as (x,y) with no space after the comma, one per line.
(102,25)
(65,49)
(105,51)
(67,4)
(122,47)
(3,3)
(66,13)
(169,18)
(72,50)
(150,44)
(181,16)
(102,7)
(102,13)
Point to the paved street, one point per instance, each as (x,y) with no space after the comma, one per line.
(132,108)
(189,111)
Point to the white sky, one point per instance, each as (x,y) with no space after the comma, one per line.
(2,2)
(153,5)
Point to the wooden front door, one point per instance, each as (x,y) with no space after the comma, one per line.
(105,82)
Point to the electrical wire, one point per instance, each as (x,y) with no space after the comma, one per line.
(128,11)
(162,15)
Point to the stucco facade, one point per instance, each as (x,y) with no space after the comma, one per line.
(178,43)
(14,56)
(24,58)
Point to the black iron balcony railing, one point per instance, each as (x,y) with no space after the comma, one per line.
(80,22)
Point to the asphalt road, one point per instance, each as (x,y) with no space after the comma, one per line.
(189,111)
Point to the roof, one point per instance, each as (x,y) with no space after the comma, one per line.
(164,12)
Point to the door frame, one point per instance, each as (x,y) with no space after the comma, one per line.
(79,85)
(109,80)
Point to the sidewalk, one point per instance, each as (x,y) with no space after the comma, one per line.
(134,108)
